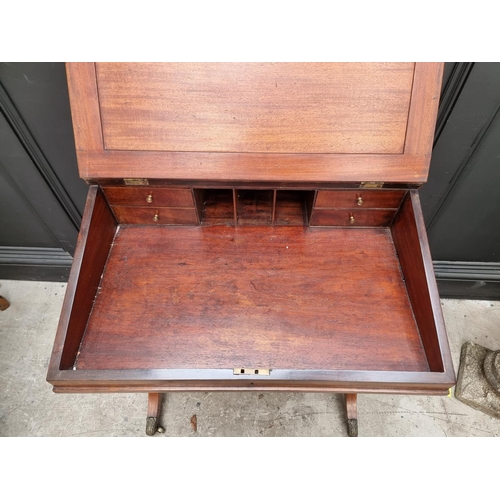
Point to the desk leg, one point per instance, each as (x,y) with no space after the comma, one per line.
(351,403)
(154,405)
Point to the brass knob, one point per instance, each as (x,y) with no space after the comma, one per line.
(360,200)
(156,217)
(351,219)
(149,199)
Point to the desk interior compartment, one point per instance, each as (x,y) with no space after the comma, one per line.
(314,306)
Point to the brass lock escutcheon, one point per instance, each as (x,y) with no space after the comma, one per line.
(149,198)
(351,219)
(156,217)
(360,200)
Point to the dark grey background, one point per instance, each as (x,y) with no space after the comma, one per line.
(42,197)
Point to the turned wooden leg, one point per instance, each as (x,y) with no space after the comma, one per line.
(154,404)
(351,403)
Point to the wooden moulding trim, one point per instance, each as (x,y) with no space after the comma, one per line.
(85,112)
(224,378)
(423,108)
(442,391)
(253,167)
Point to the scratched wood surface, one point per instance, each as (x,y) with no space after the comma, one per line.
(255,107)
(282,297)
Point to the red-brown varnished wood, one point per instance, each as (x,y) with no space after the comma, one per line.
(351,403)
(361,198)
(219,297)
(97,231)
(149,196)
(216,206)
(154,404)
(423,111)
(155,215)
(290,208)
(351,217)
(255,107)
(85,111)
(255,167)
(410,240)
(254,207)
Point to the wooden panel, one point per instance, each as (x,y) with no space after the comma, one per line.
(155,215)
(254,207)
(94,241)
(327,217)
(359,199)
(290,208)
(255,107)
(280,299)
(254,167)
(423,111)
(149,196)
(411,244)
(217,207)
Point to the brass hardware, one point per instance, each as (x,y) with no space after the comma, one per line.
(360,200)
(351,219)
(135,182)
(251,371)
(149,199)
(371,185)
(156,217)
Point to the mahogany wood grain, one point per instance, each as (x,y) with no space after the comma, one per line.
(380,198)
(159,197)
(254,207)
(155,215)
(255,107)
(255,167)
(360,217)
(158,380)
(216,297)
(410,240)
(351,403)
(290,208)
(217,207)
(97,231)
(423,111)
(154,404)
(85,112)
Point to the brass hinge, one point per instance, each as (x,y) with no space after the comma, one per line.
(135,182)
(251,371)
(371,185)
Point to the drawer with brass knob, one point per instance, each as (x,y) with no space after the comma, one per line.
(149,196)
(353,218)
(363,198)
(160,215)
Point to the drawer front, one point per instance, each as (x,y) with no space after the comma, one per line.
(149,196)
(159,215)
(352,218)
(359,199)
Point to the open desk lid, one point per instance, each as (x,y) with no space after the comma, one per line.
(255,122)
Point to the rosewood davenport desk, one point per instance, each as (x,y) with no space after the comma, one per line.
(253,227)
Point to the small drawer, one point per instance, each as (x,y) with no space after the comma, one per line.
(359,199)
(158,215)
(352,218)
(149,196)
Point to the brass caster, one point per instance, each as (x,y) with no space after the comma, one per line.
(160,430)
(151,426)
(352,427)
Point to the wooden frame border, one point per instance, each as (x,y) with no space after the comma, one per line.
(410,167)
